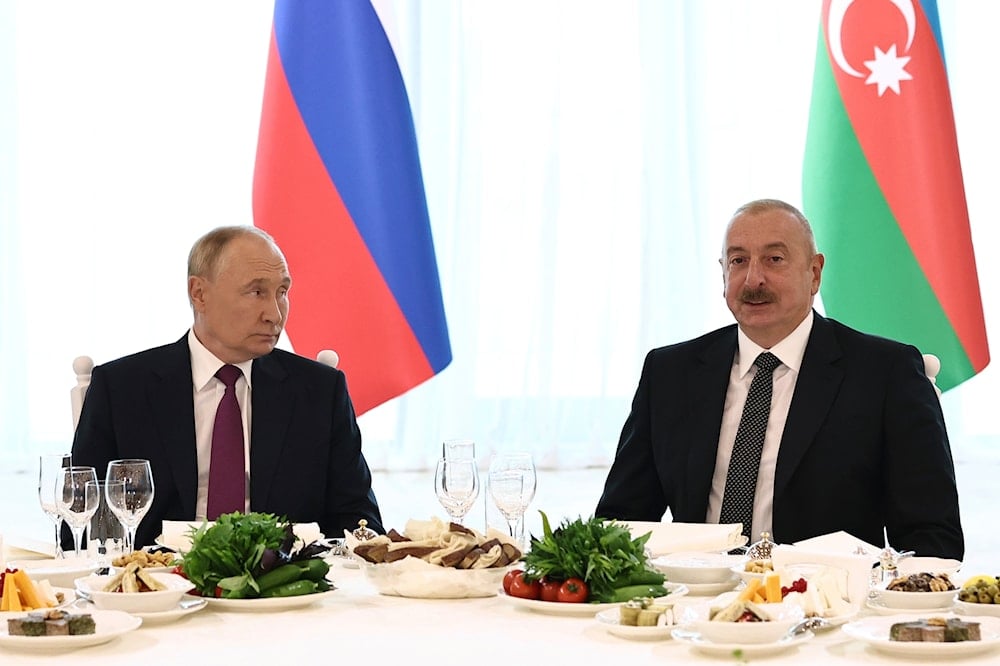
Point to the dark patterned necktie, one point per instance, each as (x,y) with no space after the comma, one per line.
(227,471)
(741,479)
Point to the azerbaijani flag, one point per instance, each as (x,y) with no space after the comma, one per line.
(338,184)
(882,184)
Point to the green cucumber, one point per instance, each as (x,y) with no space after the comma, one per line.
(296,589)
(623,594)
(286,573)
(313,569)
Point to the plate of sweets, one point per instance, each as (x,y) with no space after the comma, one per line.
(55,630)
(928,636)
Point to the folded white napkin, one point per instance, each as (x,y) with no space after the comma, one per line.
(175,533)
(669,538)
(832,550)
(26,548)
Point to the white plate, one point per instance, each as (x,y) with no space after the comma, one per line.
(711,589)
(916,600)
(270,604)
(696,641)
(610,620)
(584,610)
(875,632)
(107,625)
(882,609)
(556,608)
(185,606)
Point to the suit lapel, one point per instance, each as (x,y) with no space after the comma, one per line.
(815,389)
(708,390)
(270,418)
(172,406)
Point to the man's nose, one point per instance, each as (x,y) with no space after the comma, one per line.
(755,273)
(272,311)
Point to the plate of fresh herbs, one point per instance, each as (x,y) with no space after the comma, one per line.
(255,562)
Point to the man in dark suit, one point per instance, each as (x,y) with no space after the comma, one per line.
(855,436)
(304,447)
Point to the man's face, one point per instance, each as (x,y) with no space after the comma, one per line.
(239,313)
(770,274)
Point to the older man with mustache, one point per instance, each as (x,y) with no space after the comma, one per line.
(788,422)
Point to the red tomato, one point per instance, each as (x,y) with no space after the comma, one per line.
(550,590)
(218,592)
(573,591)
(509,577)
(522,589)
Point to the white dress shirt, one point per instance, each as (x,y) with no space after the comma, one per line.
(789,351)
(208,391)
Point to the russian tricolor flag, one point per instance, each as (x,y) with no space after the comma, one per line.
(338,184)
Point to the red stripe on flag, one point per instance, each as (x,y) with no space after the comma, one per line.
(910,143)
(333,272)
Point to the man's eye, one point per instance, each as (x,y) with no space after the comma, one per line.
(736,261)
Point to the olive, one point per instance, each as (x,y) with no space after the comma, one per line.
(984,598)
(996,599)
(968,595)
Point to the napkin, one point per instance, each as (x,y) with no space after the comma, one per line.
(669,538)
(174,533)
(25,548)
(833,550)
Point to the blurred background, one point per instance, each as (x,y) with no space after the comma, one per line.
(580,158)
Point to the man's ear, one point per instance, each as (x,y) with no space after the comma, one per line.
(196,292)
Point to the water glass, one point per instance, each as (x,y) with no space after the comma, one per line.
(76,497)
(106,534)
(458,449)
(49,466)
(456,483)
(132,500)
(512,482)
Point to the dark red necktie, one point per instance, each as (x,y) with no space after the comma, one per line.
(227,471)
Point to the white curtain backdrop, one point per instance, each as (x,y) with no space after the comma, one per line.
(581,159)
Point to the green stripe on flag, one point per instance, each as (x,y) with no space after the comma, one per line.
(871,280)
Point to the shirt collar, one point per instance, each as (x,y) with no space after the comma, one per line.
(204,364)
(790,350)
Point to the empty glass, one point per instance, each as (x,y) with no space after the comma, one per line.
(456,483)
(49,466)
(76,497)
(512,484)
(132,500)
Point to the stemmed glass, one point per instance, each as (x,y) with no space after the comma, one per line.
(49,465)
(76,497)
(512,483)
(456,483)
(131,500)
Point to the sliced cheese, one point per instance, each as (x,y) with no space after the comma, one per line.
(772,584)
(750,590)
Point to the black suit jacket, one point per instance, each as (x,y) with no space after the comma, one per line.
(864,447)
(305,446)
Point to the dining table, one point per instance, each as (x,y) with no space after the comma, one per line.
(354,623)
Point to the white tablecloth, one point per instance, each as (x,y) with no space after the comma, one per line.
(356,625)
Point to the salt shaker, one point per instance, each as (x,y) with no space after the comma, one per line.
(761,550)
(364,533)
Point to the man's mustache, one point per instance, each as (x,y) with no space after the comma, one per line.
(757,296)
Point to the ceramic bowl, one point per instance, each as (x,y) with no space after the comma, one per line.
(782,618)
(135,602)
(916,600)
(59,572)
(912,565)
(697,568)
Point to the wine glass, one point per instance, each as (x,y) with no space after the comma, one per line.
(456,483)
(131,500)
(49,465)
(512,486)
(76,497)
(458,449)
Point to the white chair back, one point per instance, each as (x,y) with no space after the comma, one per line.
(83,365)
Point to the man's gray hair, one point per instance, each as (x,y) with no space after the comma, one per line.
(203,260)
(763,205)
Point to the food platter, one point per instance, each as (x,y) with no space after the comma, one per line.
(874,631)
(108,625)
(268,605)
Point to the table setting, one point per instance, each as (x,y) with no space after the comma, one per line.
(671,595)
